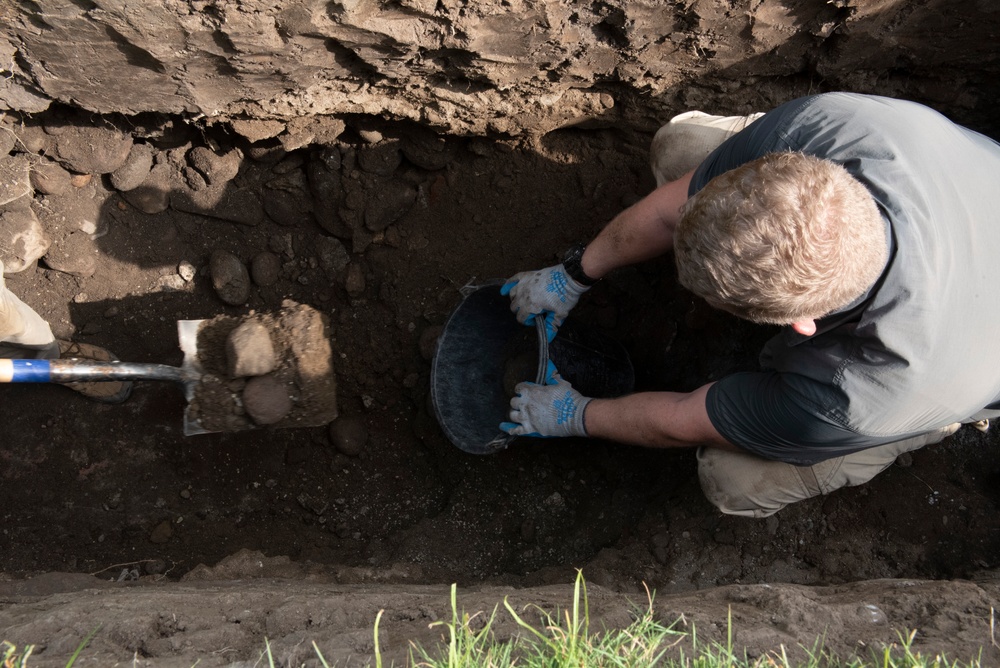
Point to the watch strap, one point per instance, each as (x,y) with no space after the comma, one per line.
(572,261)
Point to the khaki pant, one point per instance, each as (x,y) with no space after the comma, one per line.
(23,333)
(686,140)
(741,483)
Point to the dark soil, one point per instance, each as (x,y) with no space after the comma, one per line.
(117,492)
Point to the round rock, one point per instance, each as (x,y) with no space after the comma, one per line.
(250,350)
(135,170)
(153,195)
(265,268)
(50,178)
(216,168)
(161,533)
(92,150)
(349,435)
(230,278)
(186,271)
(382,159)
(354,283)
(75,254)
(266,400)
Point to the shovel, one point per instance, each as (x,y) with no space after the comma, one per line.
(75,370)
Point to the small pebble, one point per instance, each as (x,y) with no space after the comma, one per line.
(162,532)
(265,268)
(80,180)
(349,435)
(155,566)
(187,271)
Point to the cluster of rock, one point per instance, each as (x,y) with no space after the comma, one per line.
(273,369)
(58,174)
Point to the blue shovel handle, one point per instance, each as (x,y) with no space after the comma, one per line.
(74,370)
(25,371)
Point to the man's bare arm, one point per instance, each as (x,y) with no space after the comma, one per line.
(655,420)
(641,232)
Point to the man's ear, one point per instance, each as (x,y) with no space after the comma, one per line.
(805,327)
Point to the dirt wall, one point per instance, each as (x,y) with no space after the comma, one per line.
(499,66)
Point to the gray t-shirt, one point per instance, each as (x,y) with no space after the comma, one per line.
(922,349)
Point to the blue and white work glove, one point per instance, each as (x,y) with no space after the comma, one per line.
(550,293)
(552,409)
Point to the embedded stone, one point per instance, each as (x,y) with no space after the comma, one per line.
(137,166)
(217,168)
(349,435)
(230,277)
(74,254)
(92,150)
(250,350)
(50,178)
(265,268)
(266,400)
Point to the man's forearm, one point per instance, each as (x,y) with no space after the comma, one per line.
(655,420)
(643,231)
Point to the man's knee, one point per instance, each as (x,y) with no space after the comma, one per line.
(738,483)
(742,484)
(19,324)
(687,139)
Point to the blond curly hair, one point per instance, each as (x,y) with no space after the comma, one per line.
(783,238)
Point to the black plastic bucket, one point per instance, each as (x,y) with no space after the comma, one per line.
(484,352)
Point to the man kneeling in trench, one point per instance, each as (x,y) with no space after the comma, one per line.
(870,227)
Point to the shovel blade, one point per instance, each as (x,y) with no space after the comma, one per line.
(187,336)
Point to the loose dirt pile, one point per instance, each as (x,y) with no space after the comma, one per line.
(273,370)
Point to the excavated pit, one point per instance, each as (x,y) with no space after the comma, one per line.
(145,186)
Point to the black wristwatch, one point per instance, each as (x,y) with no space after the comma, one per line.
(572,262)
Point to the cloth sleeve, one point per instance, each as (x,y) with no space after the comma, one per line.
(775,416)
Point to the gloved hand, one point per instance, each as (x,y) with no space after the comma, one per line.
(552,409)
(548,292)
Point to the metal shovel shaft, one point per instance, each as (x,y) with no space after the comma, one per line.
(75,370)
(83,370)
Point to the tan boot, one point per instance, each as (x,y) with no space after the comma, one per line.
(106,392)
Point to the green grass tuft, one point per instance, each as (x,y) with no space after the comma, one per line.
(566,640)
